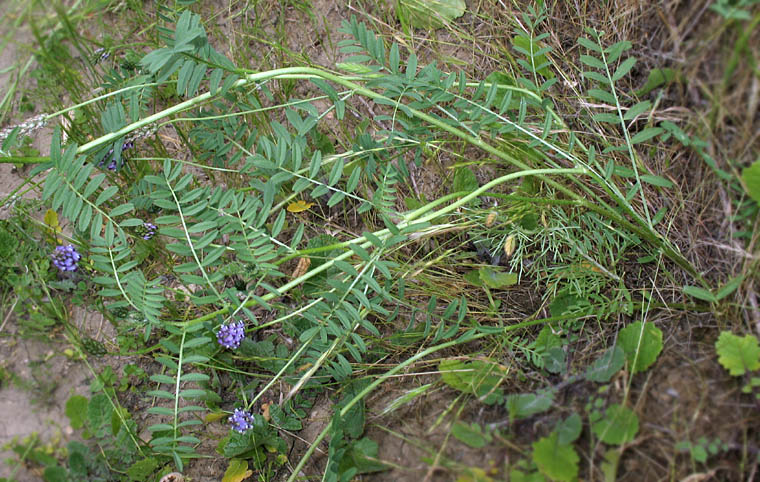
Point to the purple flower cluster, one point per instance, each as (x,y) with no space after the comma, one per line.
(147,230)
(100,55)
(66,257)
(230,335)
(128,144)
(241,420)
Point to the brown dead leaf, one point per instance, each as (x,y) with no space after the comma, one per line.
(302,268)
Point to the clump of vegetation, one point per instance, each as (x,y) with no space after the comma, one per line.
(278,242)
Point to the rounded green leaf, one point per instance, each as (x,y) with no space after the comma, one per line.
(76,410)
(606,365)
(738,354)
(569,429)
(555,460)
(642,343)
(237,471)
(620,425)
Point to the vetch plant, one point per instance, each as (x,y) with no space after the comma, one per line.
(337,307)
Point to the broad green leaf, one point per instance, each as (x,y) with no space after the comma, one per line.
(76,410)
(751,180)
(99,414)
(610,465)
(592,62)
(624,67)
(637,109)
(646,134)
(495,279)
(142,469)
(609,118)
(656,180)
(237,471)
(473,277)
(619,425)
(555,460)
(602,370)
(54,474)
(657,78)
(281,419)
(471,435)
(729,287)
(569,429)
(602,95)
(429,14)
(700,293)
(464,180)
(549,347)
(524,405)
(555,360)
(478,377)
(642,343)
(362,456)
(738,354)
(589,44)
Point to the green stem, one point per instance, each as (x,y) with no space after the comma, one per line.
(645,231)
(24,160)
(403,365)
(384,233)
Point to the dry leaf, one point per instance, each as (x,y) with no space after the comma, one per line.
(302,268)
(265,411)
(299,206)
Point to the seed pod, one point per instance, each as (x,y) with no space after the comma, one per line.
(490,218)
(509,246)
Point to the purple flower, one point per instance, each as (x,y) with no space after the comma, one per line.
(66,258)
(147,231)
(128,144)
(241,420)
(100,55)
(230,335)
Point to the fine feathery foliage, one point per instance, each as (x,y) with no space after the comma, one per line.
(204,262)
